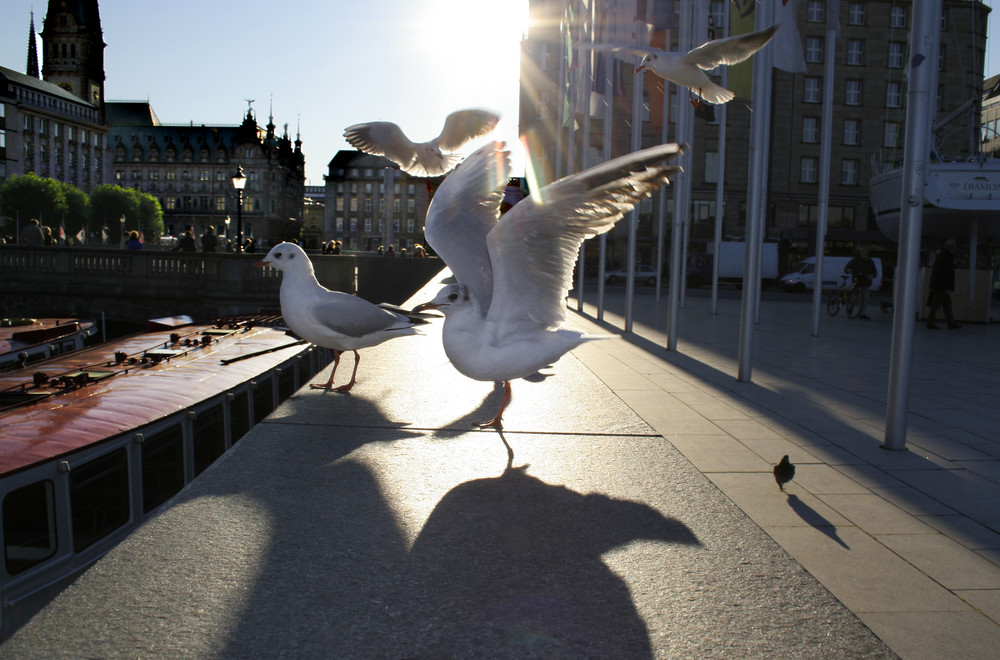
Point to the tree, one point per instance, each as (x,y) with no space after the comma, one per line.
(29,196)
(150,216)
(77,210)
(108,205)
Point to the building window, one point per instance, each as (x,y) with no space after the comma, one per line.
(852,92)
(855,52)
(856,14)
(368,224)
(220,203)
(815,11)
(354,204)
(340,204)
(810,130)
(204,176)
(896,50)
(849,172)
(941,56)
(368,205)
(890,134)
(893,95)
(810,92)
(814,49)
(171,175)
(170,202)
(712,167)
(897,17)
(120,175)
(851,136)
(411,205)
(807,170)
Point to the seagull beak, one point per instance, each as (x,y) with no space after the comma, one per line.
(262,263)
(641,67)
(427,305)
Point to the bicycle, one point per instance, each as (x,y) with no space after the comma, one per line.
(848,295)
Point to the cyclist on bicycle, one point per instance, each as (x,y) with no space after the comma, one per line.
(862,271)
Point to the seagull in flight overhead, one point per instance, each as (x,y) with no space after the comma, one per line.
(332,319)
(433,158)
(688,69)
(502,315)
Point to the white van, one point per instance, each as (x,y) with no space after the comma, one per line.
(803,274)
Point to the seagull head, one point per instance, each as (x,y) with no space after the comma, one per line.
(647,60)
(286,257)
(449,300)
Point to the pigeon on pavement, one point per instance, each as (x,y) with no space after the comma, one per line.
(783,472)
(332,319)
(424,159)
(512,272)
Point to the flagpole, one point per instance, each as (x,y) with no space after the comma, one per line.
(824,167)
(661,209)
(606,146)
(720,114)
(586,88)
(756,194)
(681,184)
(633,216)
(923,65)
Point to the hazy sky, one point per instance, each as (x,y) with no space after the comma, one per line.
(323,64)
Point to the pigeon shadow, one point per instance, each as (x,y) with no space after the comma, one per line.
(511,566)
(814,519)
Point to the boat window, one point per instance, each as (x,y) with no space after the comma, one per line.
(162,467)
(29,526)
(209,437)
(99,498)
(239,415)
(286,382)
(263,400)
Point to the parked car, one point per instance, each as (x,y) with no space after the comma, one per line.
(644,274)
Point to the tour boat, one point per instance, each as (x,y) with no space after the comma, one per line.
(96,441)
(24,340)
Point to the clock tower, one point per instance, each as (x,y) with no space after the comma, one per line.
(73,49)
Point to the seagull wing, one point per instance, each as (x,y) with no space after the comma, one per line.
(354,317)
(534,246)
(730,50)
(382,138)
(464,210)
(462,126)
(635,50)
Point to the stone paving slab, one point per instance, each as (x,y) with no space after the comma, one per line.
(381,524)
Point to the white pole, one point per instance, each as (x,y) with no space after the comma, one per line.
(923,64)
(681,182)
(824,176)
(586,87)
(756,193)
(661,208)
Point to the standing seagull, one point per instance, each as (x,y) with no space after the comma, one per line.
(434,158)
(688,69)
(502,317)
(783,472)
(332,319)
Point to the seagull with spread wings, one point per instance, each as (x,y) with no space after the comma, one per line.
(425,159)
(688,69)
(503,314)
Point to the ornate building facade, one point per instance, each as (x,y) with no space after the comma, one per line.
(55,127)
(369,203)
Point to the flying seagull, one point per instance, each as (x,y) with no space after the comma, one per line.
(783,472)
(434,158)
(688,69)
(332,319)
(502,315)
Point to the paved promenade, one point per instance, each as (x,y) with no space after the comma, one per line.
(639,518)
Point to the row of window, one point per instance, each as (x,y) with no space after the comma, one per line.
(218,203)
(55,104)
(411,205)
(813,85)
(58,130)
(851,132)
(369,186)
(368,225)
(816,13)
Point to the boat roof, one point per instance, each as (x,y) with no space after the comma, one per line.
(89,395)
(17,334)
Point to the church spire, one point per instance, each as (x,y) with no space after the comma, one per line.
(32,69)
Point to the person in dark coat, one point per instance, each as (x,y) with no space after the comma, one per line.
(941,285)
(186,244)
(862,270)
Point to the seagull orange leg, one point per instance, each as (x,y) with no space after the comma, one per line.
(329,383)
(497,422)
(354,374)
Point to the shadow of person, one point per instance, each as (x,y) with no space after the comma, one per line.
(811,516)
(511,566)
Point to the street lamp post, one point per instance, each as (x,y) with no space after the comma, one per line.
(228,242)
(239,180)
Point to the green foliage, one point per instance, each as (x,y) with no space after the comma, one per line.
(29,196)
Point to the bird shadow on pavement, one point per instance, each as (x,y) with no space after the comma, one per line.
(814,519)
(512,567)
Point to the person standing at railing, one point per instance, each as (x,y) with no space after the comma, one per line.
(209,241)
(186,243)
(133,242)
(32,235)
(862,271)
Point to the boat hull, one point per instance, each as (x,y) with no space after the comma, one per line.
(959,198)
